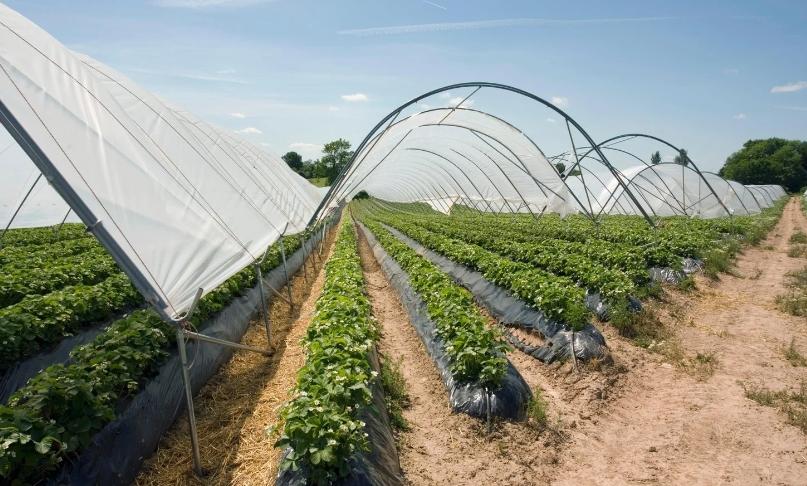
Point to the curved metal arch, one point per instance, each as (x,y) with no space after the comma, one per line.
(430,181)
(640,173)
(628,136)
(732,190)
(390,118)
(478,133)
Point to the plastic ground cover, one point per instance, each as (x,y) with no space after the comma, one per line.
(119,449)
(511,311)
(508,401)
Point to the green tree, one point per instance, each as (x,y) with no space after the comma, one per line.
(769,161)
(682,158)
(294,161)
(336,155)
(655,158)
(561,167)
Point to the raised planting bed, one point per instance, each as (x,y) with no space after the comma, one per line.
(469,354)
(335,428)
(95,418)
(560,340)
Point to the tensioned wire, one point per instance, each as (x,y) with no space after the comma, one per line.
(211,212)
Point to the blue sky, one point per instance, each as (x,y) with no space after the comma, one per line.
(296,74)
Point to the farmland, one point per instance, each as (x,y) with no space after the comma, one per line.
(550,264)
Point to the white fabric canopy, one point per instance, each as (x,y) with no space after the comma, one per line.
(456,155)
(181,205)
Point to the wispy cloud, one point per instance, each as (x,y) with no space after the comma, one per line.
(238,115)
(206,3)
(491,24)
(551,120)
(793,108)
(560,101)
(731,71)
(191,76)
(427,2)
(740,116)
(249,131)
(333,108)
(457,101)
(790,87)
(355,97)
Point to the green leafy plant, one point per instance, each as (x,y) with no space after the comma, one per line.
(322,427)
(475,351)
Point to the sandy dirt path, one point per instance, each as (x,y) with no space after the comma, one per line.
(446,448)
(667,427)
(234,408)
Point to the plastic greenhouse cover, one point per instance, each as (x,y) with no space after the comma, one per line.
(180,205)
(444,155)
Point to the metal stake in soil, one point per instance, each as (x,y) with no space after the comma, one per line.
(264,310)
(286,271)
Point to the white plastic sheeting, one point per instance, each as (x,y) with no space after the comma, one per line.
(669,189)
(448,156)
(180,204)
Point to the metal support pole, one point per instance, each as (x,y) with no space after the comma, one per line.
(305,259)
(286,271)
(186,379)
(16,211)
(63,220)
(223,342)
(264,310)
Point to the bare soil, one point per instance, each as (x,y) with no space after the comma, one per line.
(644,418)
(234,409)
(441,447)
(669,427)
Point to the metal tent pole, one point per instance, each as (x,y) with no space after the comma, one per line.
(286,271)
(186,379)
(182,334)
(16,211)
(264,310)
(63,220)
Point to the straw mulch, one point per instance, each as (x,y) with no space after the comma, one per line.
(234,409)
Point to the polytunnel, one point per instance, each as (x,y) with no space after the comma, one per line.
(180,205)
(480,150)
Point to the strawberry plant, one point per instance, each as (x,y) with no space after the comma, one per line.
(476,351)
(322,427)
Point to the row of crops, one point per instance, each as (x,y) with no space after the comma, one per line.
(550,264)
(55,285)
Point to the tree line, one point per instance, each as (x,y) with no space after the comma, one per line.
(763,161)
(335,155)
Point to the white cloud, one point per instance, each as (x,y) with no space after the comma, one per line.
(238,115)
(355,97)
(560,101)
(551,120)
(206,3)
(425,106)
(249,131)
(491,24)
(435,5)
(740,116)
(307,150)
(446,95)
(225,71)
(457,102)
(790,87)
(333,108)
(731,71)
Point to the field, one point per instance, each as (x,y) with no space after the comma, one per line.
(386,337)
